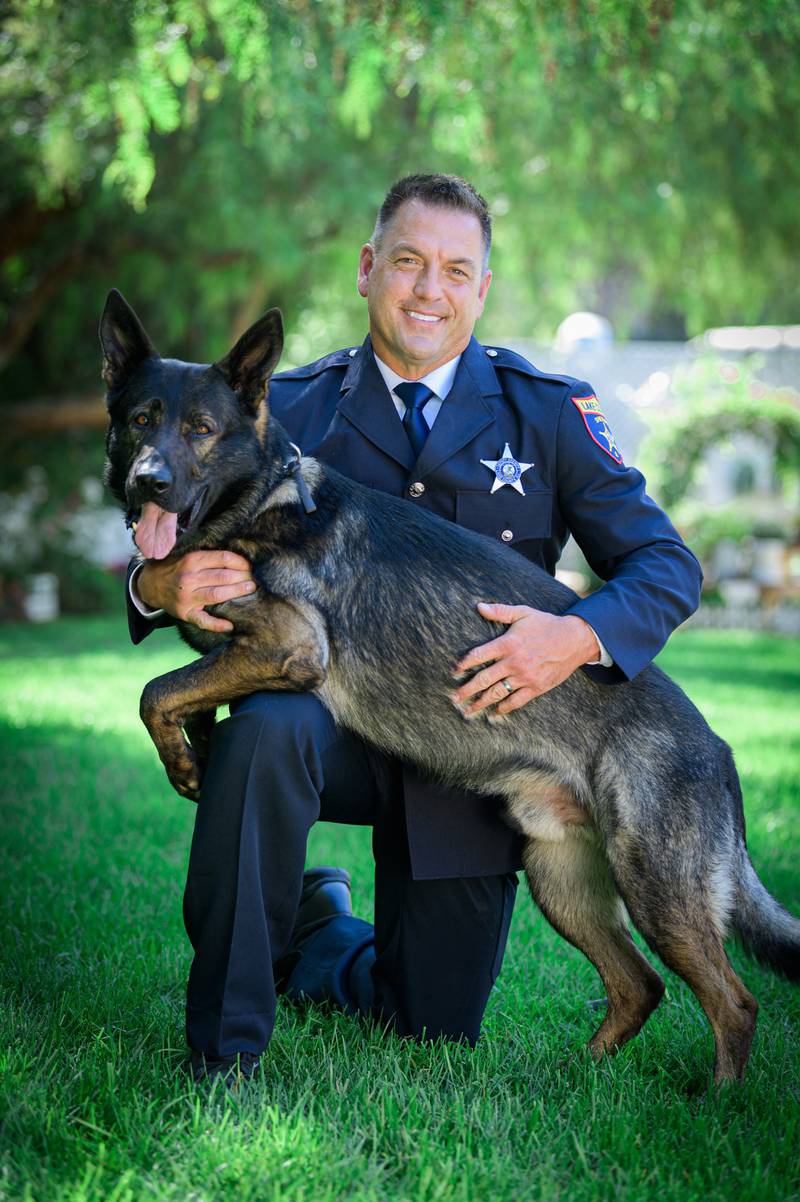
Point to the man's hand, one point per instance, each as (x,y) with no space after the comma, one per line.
(184,586)
(536,653)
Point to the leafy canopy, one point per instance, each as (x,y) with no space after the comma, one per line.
(213,157)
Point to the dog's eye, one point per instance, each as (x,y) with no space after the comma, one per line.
(141,419)
(202,428)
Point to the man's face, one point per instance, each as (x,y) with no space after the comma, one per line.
(425,286)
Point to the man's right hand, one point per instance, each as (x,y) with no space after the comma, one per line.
(184,586)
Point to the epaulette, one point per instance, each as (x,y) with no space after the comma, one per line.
(501,356)
(341,358)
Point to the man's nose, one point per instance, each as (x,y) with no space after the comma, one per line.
(428,282)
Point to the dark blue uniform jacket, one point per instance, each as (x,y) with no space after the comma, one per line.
(340,411)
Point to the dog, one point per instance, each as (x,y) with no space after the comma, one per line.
(625,796)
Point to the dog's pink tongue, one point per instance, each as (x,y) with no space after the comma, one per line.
(156,531)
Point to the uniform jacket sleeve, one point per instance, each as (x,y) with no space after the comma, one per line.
(652,578)
(139,626)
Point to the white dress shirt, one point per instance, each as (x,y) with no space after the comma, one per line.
(440,381)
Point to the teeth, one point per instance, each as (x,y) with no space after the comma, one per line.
(422,316)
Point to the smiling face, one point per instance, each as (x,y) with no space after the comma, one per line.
(425,286)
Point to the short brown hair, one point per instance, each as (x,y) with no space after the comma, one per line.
(446,191)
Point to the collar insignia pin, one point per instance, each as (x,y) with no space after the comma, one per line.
(507,470)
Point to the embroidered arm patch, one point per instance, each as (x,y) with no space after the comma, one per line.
(596,424)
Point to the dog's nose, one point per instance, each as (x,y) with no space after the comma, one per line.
(154,478)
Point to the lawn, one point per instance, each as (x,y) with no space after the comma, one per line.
(94,960)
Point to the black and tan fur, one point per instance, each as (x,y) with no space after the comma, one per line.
(627,799)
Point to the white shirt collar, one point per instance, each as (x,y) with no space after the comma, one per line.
(440,380)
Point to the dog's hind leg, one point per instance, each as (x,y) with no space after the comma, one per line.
(675,913)
(571,882)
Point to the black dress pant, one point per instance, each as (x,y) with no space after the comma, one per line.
(277,765)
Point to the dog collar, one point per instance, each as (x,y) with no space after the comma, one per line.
(292,470)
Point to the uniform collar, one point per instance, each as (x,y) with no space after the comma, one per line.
(440,380)
(473,360)
(367,403)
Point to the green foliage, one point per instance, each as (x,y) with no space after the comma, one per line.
(714,401)
(211,157)
(93,965)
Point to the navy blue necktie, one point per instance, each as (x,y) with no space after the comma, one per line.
(415,396)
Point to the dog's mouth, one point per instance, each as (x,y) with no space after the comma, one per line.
(157,530)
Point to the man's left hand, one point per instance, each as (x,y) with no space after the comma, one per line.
(536,653)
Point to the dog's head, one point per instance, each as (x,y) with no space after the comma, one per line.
(181,435)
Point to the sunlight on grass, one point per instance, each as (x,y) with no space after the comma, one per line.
(94,961)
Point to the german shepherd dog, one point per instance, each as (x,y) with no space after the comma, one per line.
(625,796)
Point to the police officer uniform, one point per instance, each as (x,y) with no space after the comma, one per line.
(444,860)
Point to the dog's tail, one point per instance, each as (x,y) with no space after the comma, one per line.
(765,929)
(761,924)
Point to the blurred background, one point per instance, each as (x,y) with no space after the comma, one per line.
(212,158)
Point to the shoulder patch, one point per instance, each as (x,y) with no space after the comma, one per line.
(596,424)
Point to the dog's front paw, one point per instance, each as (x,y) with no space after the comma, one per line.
(185,776)
(189,788)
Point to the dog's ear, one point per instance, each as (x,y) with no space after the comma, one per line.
(124,342)
(248,367)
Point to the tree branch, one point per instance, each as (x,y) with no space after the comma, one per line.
(24,222)
(84,412)
(25,317)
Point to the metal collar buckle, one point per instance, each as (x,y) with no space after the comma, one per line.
(292,470)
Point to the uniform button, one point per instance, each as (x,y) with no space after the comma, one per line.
(353,352)
(417,489)
(491,352)
(507,536)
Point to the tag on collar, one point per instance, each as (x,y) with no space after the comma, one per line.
(303,492)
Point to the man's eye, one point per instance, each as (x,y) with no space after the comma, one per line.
(141,419)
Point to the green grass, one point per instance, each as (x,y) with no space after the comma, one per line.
(94,960)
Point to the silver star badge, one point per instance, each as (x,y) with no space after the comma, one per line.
(507,470)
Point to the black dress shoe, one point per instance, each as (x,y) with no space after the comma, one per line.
(232,1070)
(325,895)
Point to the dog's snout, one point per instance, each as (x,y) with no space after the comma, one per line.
(151,475)
(154,478)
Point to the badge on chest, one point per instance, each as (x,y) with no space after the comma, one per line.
(507,470)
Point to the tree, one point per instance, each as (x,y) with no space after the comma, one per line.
(211,157)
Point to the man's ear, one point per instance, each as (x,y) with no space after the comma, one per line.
(123,339)
(366,261)
(248,367)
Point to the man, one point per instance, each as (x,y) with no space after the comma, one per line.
(480,437)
